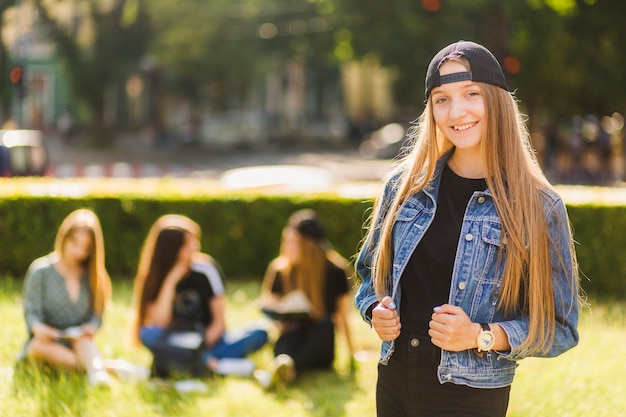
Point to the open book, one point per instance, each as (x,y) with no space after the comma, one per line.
(186,339)
(72,333)
(292,306)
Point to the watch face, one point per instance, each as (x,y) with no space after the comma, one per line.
(486,341)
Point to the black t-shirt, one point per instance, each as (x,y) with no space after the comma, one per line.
(194,294)
(426,280)
(336,286)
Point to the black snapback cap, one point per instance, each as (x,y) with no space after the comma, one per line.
(308,224)
(484,66)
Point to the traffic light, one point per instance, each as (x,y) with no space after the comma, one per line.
(16,76)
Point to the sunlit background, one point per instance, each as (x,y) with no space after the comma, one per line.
(242,77)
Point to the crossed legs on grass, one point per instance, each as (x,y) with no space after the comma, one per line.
(306,346)
(228,355)
(310,346)
(76,355)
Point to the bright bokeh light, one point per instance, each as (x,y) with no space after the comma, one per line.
(431,5)
(268,31)
(283,176)
(14,138)
(617,120)
(16,74)
(392,133)
(512,65)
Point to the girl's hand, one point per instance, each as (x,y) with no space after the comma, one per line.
(89,328)
(451,329)
(386,320)
(44,332)
(178,272)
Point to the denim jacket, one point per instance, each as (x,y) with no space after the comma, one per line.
(476,279)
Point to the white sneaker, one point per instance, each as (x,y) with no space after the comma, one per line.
(281,373)
(190,385)
(126,371)
(264,378)
(99,378)
(235,366)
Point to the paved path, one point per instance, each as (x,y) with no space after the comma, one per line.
(315,168)
(340,163)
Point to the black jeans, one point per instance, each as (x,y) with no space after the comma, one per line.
(408,386)
(311,345)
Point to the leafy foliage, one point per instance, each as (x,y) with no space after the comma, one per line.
(207,47)
(561,56)
(570,52)
(121,33)
(5,84)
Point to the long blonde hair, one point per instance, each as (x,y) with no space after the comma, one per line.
(517,183)
(308,272)
(99,280)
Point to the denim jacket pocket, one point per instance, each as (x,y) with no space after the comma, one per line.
(493,243)
(411,224)
(492,233)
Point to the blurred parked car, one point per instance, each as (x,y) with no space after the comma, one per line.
(22,153)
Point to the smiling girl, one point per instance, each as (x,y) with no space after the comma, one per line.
(468,265)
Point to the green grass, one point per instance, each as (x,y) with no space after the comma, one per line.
(587,381)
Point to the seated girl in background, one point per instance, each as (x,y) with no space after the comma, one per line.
(177,284)
(306,266)
(64,296)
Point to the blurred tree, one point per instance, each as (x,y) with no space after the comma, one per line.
(571,55)
(564,55)
(5,83)
(598,54)
(209,48)
(120,32)
(405,34)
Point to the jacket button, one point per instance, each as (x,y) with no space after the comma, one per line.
(481,200)
(461,285)
(415,342)
(469,237)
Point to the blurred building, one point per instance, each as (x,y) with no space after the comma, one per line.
(44,92)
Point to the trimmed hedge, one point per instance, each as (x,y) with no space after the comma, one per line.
(599,232)
(243,232)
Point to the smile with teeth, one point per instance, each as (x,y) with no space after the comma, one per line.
(464,126)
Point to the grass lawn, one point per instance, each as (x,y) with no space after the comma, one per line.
(587,381)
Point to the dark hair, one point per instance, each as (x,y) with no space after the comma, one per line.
(307,223)
(166,249)
(158,256)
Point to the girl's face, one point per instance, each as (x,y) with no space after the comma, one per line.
(459,109)
(291,245)
(190,247)
(78,246)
